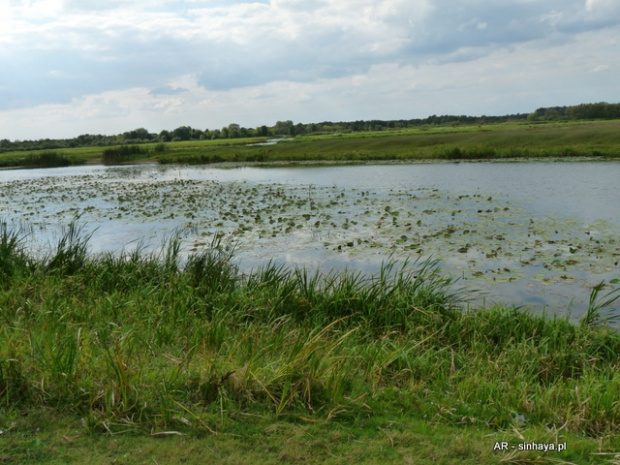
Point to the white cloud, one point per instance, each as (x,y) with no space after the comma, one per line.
(602,5)
(60,54)
(600,68)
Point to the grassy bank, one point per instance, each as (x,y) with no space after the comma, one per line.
(144,345)
(507,140)
(466,142)
(43,159)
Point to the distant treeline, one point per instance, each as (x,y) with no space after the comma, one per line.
(600,110)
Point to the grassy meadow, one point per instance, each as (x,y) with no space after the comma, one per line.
(145,358)
(451,142)
(150,358)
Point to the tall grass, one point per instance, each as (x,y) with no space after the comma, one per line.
(122,153)
(599,304)
(153,342)
(43,159)
(13,257)
(47,160)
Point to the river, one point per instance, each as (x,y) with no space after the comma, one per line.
(537,234)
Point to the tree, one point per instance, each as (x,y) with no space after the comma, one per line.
(283,128)
(300,128)
(138,134)
(182,133)
(233,130)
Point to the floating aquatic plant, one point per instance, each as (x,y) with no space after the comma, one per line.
(296,220)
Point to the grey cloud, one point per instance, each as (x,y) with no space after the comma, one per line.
(454,27)
(322,46)
(35,77)
(57,76)
(451,28)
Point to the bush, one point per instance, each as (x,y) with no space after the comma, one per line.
(46,160)
(473,153)
(121,154)
(159,148)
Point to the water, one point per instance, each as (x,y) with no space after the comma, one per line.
(537,234)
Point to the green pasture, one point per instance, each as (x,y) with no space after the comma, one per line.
(507,140)
(484,141)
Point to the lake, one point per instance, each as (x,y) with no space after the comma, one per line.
(534,234)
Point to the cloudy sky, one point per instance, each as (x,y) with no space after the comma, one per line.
(70,67)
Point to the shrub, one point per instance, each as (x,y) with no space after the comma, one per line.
(121,154)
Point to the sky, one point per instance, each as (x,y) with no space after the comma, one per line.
(71,67)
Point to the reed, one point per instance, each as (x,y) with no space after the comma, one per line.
(153,342)
(48,159)
(13,257)
(601,303)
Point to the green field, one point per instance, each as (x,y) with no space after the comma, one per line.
(140,359)
(452,142)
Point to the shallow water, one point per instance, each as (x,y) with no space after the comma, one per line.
(538,234)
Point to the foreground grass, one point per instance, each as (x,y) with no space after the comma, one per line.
(285,365)
(374,440)
(488,141)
